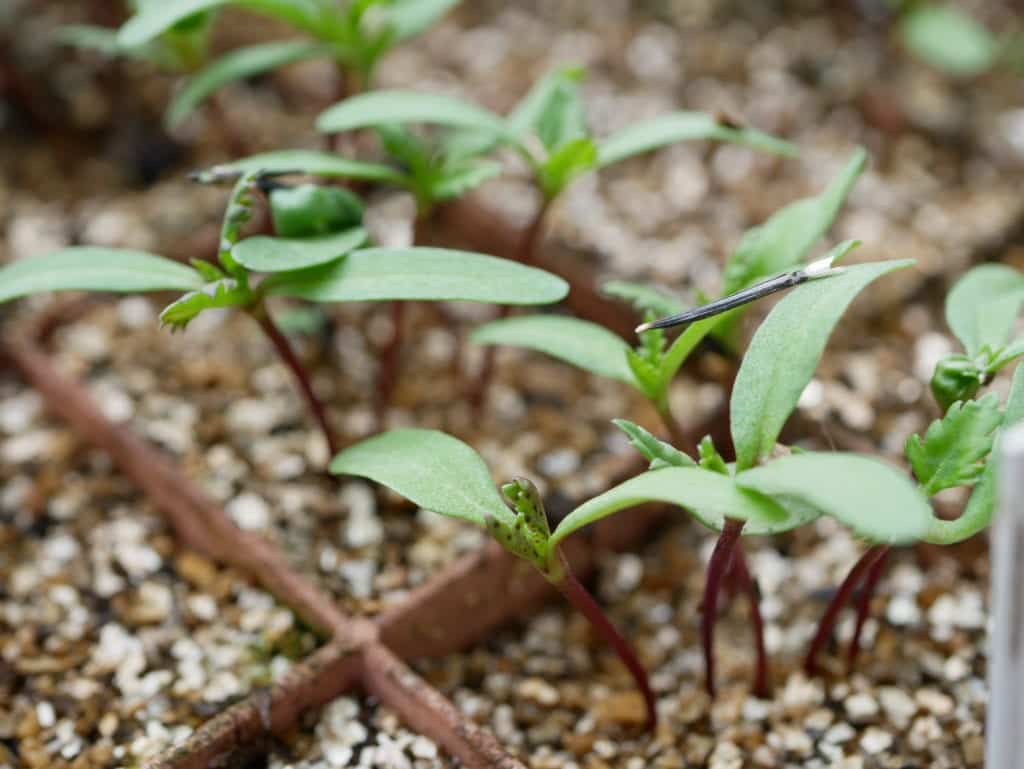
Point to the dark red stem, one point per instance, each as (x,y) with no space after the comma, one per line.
(718,568)
(526,255)
(864,604)
(839,600)
(581,599)
(387,374)
(291,360)
(745,582)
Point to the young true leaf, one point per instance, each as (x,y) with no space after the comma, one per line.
(380,274)
(871,497)
(784,353)
(406,18)
(307,162)
(225,292)
(458,180)
(983,306)
(786,238)
(708,496)
(309,209)
(238,65)
(981,505)
(710,458)
(644,298)
(93,268)
(659,453)
(266,254)
(948,39)
(1002,357)
(662,131)
(564,165)
(381,108)
(542,105)
(583,344)
(954,448)
(434,470)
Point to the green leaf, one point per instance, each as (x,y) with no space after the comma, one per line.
(266,254)
(93,268)
(407,18)
(784,353)
(786,238)
(433,470)
(954,448)
(226,292)
(209,271)
(381,108)
(676,127)
(659,453)
(237,65)
(541,103)
(454,182)
(1008,354)
(948,39)
(154,19)
(710,458)
(315,164)
(564,165)
(708,496)
(871,497)
(585,345)
(983,306)
(386,274)
(306,210)
(644,298)
(101,39)
(646,375)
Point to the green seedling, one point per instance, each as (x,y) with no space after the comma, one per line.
(323,257)
(548,130)
(444,475)
(953,42)
(774,247)
(355,34)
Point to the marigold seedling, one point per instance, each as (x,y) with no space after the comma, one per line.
(444,475)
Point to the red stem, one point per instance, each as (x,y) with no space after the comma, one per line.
(749,585)
(864,605)
(581,599)
(291,360)
(839,600)
(718,568)
(526,255)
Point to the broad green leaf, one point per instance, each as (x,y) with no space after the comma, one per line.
(315,164)
(954,448)
(948,39)
(659,453)
(585,345)
(266,254)
(564,165)
(978,513)
(644,298)
(873,498)
(708,496)
(983,306)
(226,292)
(382,274)
(101,39)
(784,353)
(407,18)
(790,233)
(307,210)
(380,108)
(93,268)
(154,19)
(649,135)
(237,65)
(431,469)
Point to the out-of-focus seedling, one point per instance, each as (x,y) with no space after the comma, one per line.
(355,34)
(444,475)
(320,256)
(771,248)
(953,42)
(547,128)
